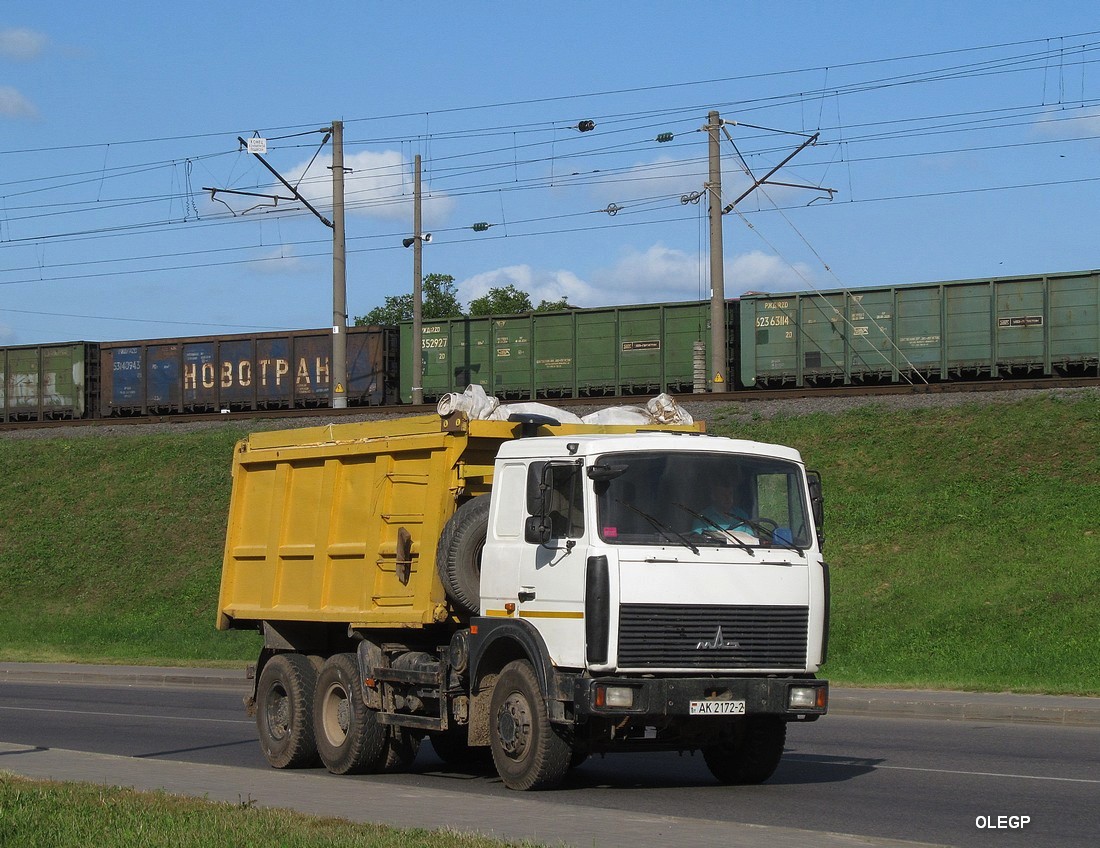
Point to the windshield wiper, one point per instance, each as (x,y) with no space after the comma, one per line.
(665,531)
(762,528)
(725,531)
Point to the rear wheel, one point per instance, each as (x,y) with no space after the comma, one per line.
(528,751)
(401,749)
(284,711)
(350,739)
(752,756)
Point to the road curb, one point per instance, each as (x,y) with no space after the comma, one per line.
(876,703)
(124,675)
(967,706)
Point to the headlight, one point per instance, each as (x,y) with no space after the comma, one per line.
(621,697)
(807,698)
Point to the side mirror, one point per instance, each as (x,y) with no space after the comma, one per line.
(817,504)
(536,531)
(604,473)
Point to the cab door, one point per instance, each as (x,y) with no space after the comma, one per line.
(552,574)
(504,545)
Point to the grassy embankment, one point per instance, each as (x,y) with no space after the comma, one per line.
(38,814)
(964,544)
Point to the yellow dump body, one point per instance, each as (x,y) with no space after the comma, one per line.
(339,523)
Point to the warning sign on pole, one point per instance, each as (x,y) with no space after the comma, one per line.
(339,389)
(718,378)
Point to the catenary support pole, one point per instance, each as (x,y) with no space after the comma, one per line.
(718,378)
(339,274)
(418,320)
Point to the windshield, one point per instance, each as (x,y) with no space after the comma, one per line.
(709,499)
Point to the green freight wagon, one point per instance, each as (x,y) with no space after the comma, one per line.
(600,352)
(49,382)
(1043,325)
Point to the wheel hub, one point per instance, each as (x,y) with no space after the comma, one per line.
(336,715)
(514,726)
(278,716)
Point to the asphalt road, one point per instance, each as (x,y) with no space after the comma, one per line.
(879,778)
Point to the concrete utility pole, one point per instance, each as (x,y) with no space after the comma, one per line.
(418,320)
(718,379)
(339,274)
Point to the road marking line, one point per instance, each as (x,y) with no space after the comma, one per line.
(856,764)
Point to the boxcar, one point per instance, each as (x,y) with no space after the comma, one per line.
(244,372)
(571,353)
(48,382)
(942,331)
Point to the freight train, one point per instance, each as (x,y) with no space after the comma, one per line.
(959,330)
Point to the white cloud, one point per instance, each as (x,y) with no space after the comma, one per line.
(21,44)
(758,271)
(539,284)
(1068,123)
(379,185)
(662,177)
(657,275)
(15,105)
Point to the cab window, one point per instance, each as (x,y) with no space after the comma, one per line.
(558,488)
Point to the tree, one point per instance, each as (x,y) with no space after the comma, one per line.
(501,300)
(554,305)
(439,296)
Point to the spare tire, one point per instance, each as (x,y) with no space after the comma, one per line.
(458,557)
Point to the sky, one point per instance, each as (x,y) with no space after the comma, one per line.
(954,140)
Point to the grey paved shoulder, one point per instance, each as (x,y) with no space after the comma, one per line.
(539,819)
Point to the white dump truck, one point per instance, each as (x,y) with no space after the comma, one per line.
(528,591)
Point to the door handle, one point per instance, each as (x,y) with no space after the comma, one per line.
(526,593)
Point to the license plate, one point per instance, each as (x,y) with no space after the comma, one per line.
(717,708)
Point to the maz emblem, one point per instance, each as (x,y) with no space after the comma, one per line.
(717,642)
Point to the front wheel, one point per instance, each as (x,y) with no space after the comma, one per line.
(752,756)
(528,751)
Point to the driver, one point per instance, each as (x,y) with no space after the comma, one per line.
(725,511)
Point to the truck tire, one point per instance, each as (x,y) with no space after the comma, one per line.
(401,749)
(528,751)
(284,711)
(350,740)
(753,756)
(458,557)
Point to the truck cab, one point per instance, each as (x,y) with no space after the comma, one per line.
(673,584)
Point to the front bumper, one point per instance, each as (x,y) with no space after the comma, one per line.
(673,696)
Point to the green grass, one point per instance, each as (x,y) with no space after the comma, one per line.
(111,547)
(42,814)
(964,544)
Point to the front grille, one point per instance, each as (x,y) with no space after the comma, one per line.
(661,636)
